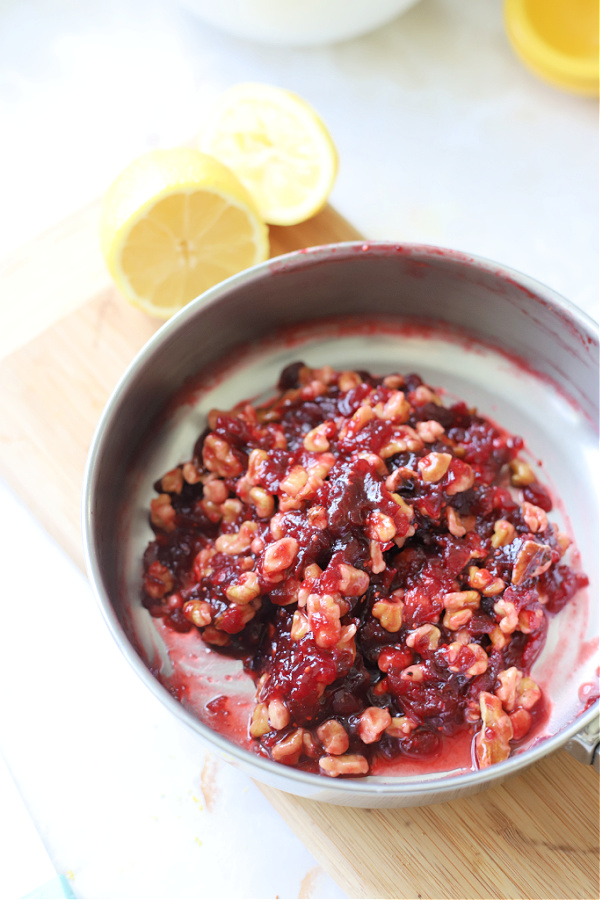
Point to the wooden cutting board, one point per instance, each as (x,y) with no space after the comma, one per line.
(535,836)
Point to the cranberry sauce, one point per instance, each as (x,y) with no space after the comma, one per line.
(383,565)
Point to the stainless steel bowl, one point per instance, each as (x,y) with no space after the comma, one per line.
(501,341)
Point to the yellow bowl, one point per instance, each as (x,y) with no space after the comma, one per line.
(558,40)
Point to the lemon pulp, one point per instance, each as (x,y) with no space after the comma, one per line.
(175,223)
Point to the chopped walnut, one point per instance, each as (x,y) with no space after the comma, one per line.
(472,661)
(507,692)
(507,616)
(423,394)
(202,567)
(348,380)
(504,533)
(362,416)
(346,643)
(528,692)
(521,473)
(218,457)
(403,507)
(326,374)
(377,560)
(245,589)
(259,723)
(212,511)
(158,581)
(162,514)
(215,490)
(492,744)
(423,638)
(400,727)
(300,625)
(389,613)
(400,476)
(429,431)
(197,612)
(532,560)
(289,749)
(216,637)
(352,582)
(280,555)
(406,438)
(324,618)
(483,581)
(395,409)
(531,620)
(294,481)
(401,540)
(348,764)
(310,746)
(414,673)
(372,724)
(455,522)
(316,439)
(334,737)
(434,466)
(535,518)
(255,461)
(463,478)
(234,544)
(380,527)
(319,467)
(172,482)
(230,510)
(263,502)
(317,516)
(459,606)
(191,473)
(279,715)
(375,460)
(564,541)
(394,381)
(313,390)
(498,638)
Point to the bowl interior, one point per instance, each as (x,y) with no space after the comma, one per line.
(491,338)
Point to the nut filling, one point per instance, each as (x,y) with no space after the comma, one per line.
(382,564)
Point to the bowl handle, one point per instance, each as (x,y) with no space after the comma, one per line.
(585,746)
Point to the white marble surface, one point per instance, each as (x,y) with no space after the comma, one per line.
(443,138)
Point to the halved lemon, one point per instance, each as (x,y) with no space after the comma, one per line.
(277,146)
(173,224)
(558,40)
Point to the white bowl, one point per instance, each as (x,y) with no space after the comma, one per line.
(297,23)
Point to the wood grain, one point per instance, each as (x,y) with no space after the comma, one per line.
(534,836)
